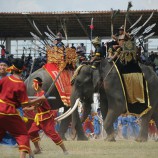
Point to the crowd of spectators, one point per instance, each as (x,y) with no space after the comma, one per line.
(30,63)
(125,127)
(150,59)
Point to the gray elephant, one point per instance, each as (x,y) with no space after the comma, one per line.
(56,103)
(105,80)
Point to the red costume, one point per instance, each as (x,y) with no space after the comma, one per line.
(13,95)
(30,115)
(44,120)
(88,126)
(152,127)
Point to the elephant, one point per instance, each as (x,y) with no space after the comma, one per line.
(56,103)
(105,80)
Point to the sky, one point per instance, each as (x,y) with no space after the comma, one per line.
(73,5)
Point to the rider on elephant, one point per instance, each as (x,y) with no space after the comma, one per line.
(58,40)
(98,54)
(115,49)
(80,56)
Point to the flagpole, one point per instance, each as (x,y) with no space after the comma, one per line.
(91,27)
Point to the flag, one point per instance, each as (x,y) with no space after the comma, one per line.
(91,25)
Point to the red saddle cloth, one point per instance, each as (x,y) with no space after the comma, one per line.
(63,84)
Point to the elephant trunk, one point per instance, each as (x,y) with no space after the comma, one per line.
(86,110)
(76,122)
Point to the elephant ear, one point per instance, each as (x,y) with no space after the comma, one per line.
(96,78)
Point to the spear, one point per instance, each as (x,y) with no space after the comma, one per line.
(63,25)
(40,34)
(35,37)
(149,28)
(136,30)
(51,31)
(126,16)
(53,84)
(33,63)
(113,15)
(135,22)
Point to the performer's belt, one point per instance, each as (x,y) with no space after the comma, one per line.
(1,101)
(37,120)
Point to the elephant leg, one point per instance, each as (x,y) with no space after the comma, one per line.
(77,122)
(87,110)
(79,128)
(108,124)
(143,134)
(114,111)
(80,132)
(64,125)
(103,104)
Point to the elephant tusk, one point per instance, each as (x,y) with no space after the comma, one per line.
(70,112)
(62,114)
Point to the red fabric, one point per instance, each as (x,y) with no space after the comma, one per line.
(47,123)
(12,94)
(63,83)
(88,125)
(55,113)
(2,52)
(48,126)
(43,108)
(45,105)
(29,114)
(152,128)
(16,127)
(91,27)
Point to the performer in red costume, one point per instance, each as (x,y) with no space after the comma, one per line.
(88,126)
(29,115)
(13,95)
(44,119)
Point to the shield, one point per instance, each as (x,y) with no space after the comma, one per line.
(129,52)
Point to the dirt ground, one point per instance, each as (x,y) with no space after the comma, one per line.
(91,149)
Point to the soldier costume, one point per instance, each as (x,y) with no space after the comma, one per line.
(116,48)
(13,95)
(44,119)
(98,54)
(58,40)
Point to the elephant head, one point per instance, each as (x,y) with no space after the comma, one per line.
(85,83)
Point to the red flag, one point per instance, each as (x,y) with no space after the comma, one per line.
(91,26)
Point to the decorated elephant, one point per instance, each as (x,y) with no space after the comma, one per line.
(56,103)
(106,81)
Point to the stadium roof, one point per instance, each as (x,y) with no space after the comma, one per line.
(77,23)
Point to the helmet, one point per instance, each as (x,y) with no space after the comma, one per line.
(96,40)
(59,36)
